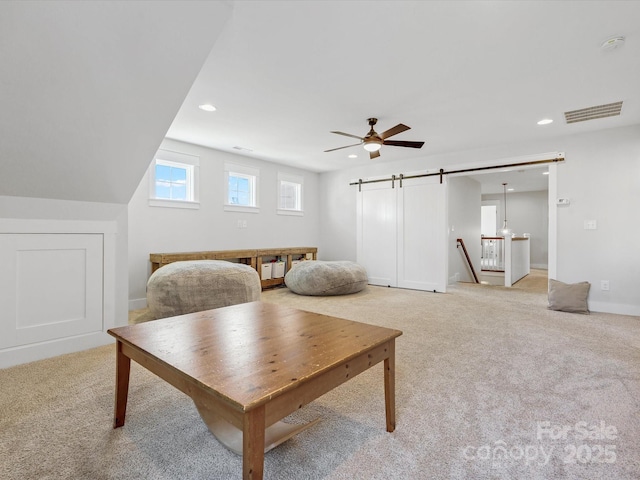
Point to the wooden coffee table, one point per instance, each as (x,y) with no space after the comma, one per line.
(250,365)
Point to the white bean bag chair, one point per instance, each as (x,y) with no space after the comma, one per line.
(193,286)
(314,277)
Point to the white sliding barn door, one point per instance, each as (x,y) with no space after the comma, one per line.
(376,233)
(402,238)
(422,240)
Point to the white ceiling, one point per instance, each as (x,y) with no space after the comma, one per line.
(463,75)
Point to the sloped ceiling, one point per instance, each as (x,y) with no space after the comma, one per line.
(89,89)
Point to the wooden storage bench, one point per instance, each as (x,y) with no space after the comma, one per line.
(251,257)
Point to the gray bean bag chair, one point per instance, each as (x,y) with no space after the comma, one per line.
(313,277)
(194,286)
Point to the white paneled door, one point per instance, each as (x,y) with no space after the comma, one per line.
(402,233)
(50,287)
(376,237)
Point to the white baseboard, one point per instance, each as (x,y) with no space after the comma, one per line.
(52,348)
(137,303)
(617,308)
(489,273)
(540,266)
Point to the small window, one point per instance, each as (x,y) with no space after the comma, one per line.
(290,194)
(173,180)
(241,188)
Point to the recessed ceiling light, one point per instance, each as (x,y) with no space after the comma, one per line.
(509,189)
(353,155)
(612,43)
(207,107)
(545,121)
(545,173)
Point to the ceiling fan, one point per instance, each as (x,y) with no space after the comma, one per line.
(373,141)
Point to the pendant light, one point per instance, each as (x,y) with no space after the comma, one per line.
(505,231)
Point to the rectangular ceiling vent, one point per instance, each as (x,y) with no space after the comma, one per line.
(591,113)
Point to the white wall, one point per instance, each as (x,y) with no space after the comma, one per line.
(338,217)
(601,176)
(161,229)
(464,223)
(602,180)
(527,212)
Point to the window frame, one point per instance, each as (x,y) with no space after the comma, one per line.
(191,163)
(243,171)
(291,179)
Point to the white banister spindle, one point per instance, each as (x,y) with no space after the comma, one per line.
(493,254)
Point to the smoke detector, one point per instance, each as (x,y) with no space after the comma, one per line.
(612,43)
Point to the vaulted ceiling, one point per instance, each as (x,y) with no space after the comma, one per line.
(89,89)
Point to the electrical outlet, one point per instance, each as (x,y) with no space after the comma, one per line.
(590,225)
(604,285)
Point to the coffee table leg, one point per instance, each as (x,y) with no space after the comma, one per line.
(253,444)
(390,386)
(123,367)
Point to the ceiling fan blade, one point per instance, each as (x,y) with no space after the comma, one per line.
(375,154)
(346,146)
(349,135)
(402,143)
(394,131)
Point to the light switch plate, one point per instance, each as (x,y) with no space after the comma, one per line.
(590,225)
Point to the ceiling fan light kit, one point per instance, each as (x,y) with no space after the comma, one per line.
(372,145)
(372,141)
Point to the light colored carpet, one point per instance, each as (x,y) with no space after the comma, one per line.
(478,371)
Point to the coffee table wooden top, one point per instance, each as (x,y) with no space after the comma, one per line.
(248,354)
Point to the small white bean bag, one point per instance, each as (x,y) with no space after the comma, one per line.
(193,286)
(314,277)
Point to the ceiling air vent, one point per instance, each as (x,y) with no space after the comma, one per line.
(599,111)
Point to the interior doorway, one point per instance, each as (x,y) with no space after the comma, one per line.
(531,209)
(488,220)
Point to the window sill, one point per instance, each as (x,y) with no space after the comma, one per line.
(158,202)
(296,213)
(241,208)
